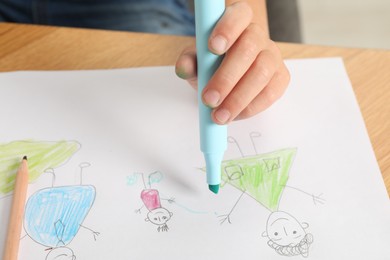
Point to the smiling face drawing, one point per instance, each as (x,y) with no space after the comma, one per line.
(283,229)
(287,236)
(159,216)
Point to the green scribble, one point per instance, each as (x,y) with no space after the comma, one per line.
(262,176)
(41,156)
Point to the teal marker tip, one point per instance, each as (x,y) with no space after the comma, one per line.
(214,188)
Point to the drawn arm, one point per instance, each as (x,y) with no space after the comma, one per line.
(138,211)
(317,199)
(171,200)
(94,233)
(227,216)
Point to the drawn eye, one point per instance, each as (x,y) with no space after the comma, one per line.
(155,218)
(164,217)
(276,233)
(294,232)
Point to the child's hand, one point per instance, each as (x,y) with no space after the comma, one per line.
(252,75)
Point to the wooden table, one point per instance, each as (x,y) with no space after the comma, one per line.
(26,47)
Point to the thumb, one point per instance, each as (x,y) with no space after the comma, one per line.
(185,67)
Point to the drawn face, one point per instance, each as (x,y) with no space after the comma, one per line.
(61,253)
(283,229)
(159,216)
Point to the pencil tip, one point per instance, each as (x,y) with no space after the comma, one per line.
(25,157)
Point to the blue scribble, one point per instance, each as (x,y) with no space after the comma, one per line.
(155,177)
(53,215)
(191,210)
(173,201)
(132,179)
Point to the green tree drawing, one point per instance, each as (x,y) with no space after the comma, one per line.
(263,176)
(41,156)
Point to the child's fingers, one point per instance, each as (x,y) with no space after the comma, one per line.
(272,92)
(233,22)
(251,84)
(186,67)
(235,64)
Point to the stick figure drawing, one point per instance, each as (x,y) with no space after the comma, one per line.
(157,214)
(264,177)
(54,215)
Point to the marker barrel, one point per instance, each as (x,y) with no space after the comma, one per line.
(213,137)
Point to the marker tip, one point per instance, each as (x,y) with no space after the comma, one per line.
(214,188)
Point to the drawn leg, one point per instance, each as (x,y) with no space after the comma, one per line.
(232,140)
(82,166)
(254,135)
(51,171)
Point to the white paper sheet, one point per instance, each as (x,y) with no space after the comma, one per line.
(118,171)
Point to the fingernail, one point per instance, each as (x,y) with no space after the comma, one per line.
(211,98)
(218,44)
(222,115)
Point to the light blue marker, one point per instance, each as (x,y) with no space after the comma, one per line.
(213,137)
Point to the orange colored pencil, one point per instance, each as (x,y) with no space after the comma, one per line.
(17,210)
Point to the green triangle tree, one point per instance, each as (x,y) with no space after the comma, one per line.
(263,176)
(41,156)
